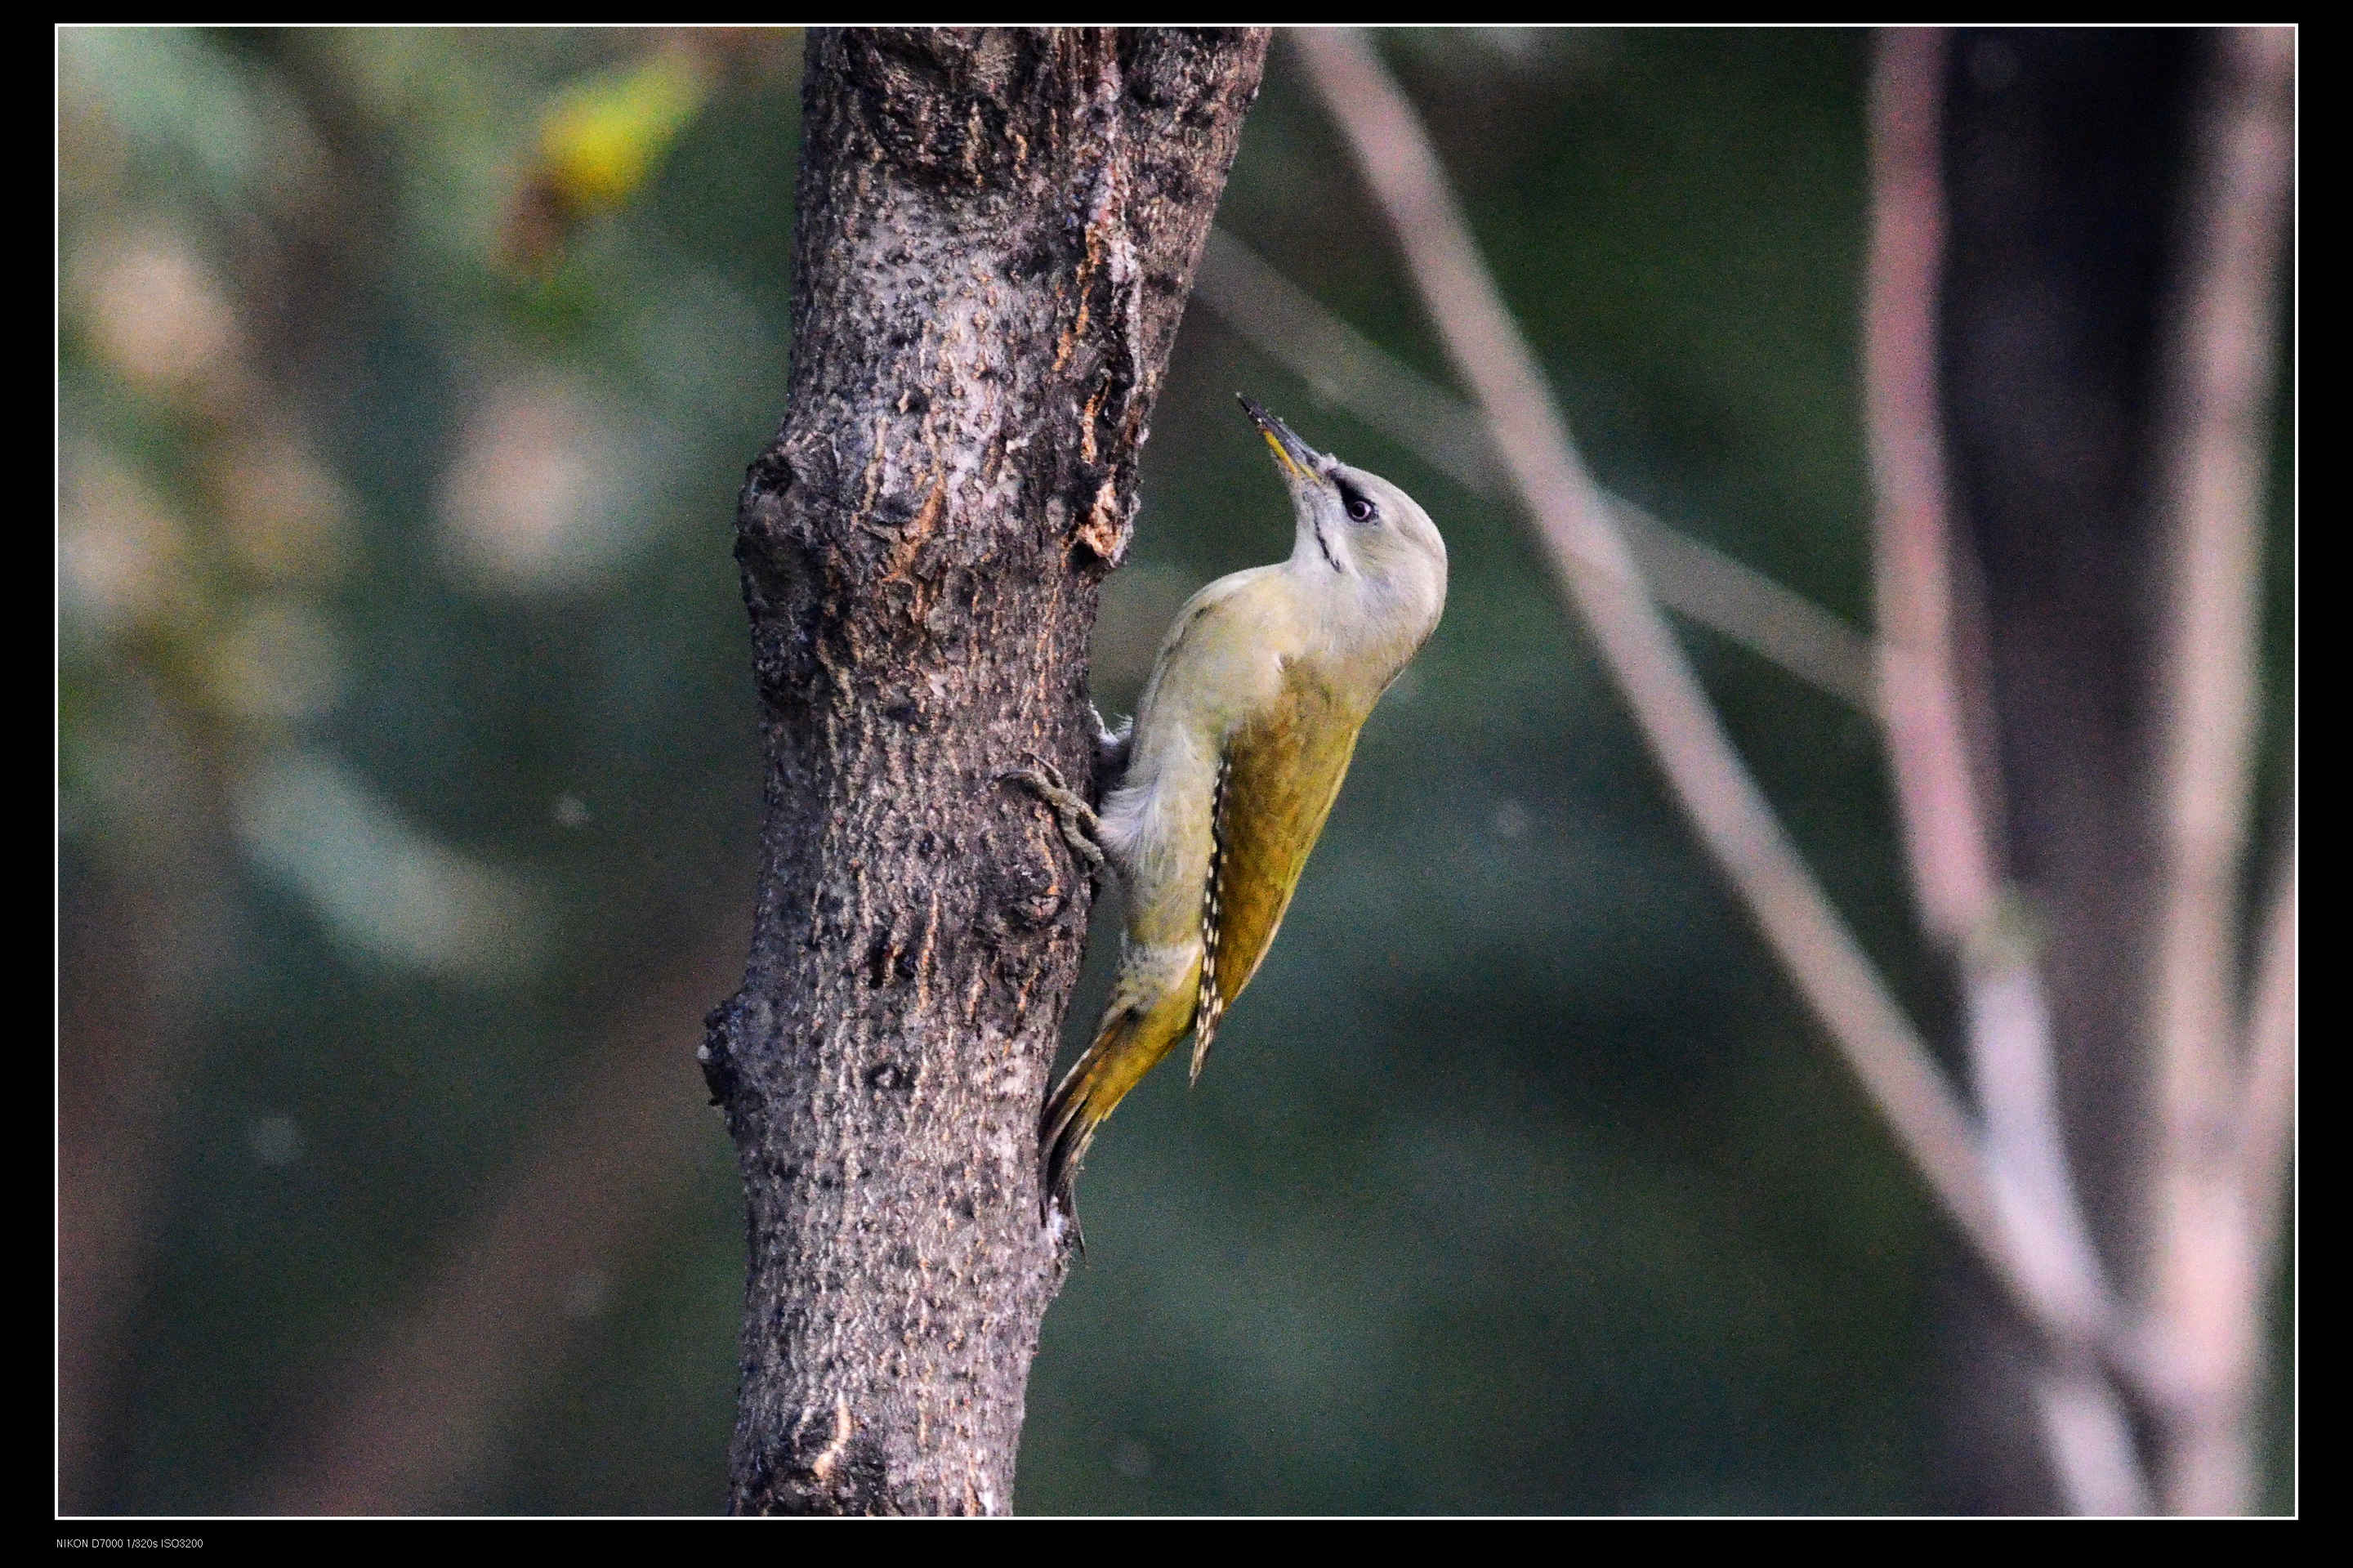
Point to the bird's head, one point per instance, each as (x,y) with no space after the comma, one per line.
(1358,525)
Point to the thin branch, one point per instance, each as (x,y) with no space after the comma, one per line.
(2223,366)
(2085,1429)
(1735,601)
(2204,1290)
(1944,820)
(1589,551)
(1937,773)
(1292,327)
(1691,578)
(2090,1442)
(2267,1110)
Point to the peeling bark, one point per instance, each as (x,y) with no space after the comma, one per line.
(997,233)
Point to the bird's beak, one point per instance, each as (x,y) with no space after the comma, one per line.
(1303,461)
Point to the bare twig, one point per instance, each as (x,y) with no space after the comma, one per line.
(1691,578)
(1739,602)
(1591,554)
(1943,821)
(1948,834)
(1291,326)
(2203,1289)
(2090,1440)
(2266,1112)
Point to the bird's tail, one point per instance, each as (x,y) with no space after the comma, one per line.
(1133,1036)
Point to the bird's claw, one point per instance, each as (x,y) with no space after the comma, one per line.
(1082,828)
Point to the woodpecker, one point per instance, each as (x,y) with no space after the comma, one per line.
(1230,766)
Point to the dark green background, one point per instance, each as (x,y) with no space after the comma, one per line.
(1520,1182)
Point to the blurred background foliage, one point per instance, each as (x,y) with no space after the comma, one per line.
(410,781)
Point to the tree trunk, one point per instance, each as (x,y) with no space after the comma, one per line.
(997,232)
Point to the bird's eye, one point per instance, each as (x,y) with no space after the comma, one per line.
(1359,505)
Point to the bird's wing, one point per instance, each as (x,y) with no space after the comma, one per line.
(1276,782)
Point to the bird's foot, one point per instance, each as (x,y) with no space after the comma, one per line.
(1082,828)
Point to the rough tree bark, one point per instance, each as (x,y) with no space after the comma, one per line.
(997,233)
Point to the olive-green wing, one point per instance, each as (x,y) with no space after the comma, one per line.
(1281,773)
